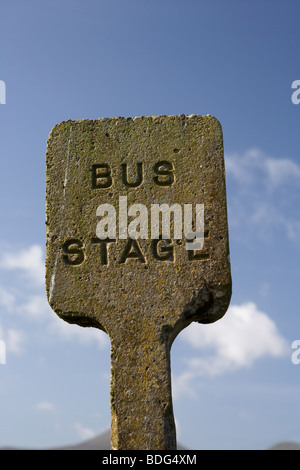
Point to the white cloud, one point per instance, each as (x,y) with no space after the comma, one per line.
(281,171)
(263,195)
(30,261)
(35,307)
(73,332)
(243,336)
(14,340)
(83,432)
(29,305)
(254,163)
(45,406)
(7,299)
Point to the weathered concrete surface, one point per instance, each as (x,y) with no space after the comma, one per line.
(142,293)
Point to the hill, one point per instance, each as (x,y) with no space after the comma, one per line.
(102,442)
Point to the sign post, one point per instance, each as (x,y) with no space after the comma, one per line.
(137,245)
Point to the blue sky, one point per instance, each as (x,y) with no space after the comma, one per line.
(234,383)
